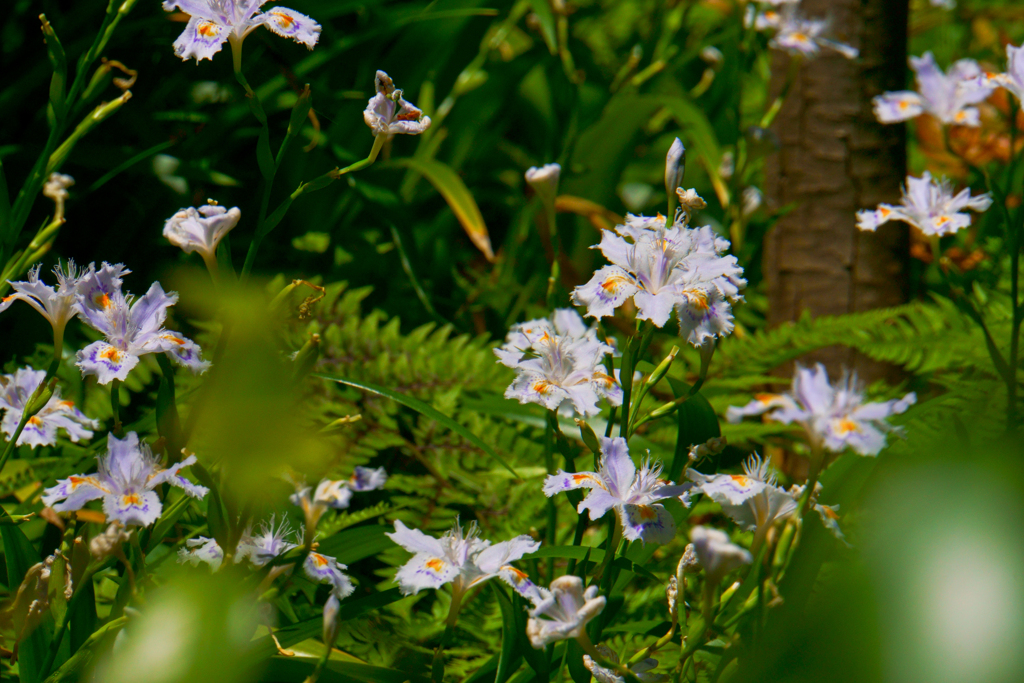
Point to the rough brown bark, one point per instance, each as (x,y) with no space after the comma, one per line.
(835,159)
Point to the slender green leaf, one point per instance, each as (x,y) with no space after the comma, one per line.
(352,545)
(459,198)
(697,422)
(509,658)
(423,409)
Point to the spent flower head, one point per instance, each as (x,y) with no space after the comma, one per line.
(202,549)
(461,558)
(559,361)
(214,22)
(388,113)
(126,480)
(929,205)
(618,485)
(41,429)
(947,96)
(835,417)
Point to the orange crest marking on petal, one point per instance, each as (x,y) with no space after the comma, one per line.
(35,421)
(435,565)
(884,212)
(206,29)
(111,354)
(8,298)
(829,512)
(846,425)
(542,387)
(765,398)
(131,499)
(172,338)
(647,513)
(583,477)
(318,559)
(613,283)
(697,298)
(286,21)
(740,479)
(517,575)
(101,299)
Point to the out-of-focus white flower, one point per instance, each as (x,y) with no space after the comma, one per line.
(544,180)
(620,486)
(274,538)
(566,608)
(201,230)
(752,499)
(202,549)
(929,205)
(795,33)
(663,269)
(751,200)
(334,494)
(1013,79)
(605,675)
(946,96)
(41,428)
(125,480)
(461,558)
(214,22)
(835,417)
(716,553)
(829,514)
(56,305)
(388,113)
(559,360)
(944,4)
(712,55)
(332,610)
(130,330)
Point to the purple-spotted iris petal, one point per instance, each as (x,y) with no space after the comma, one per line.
(324,569)
(201,549)
(608,289)
(368,479)
(183,351)
(425,571)
(647,523)
(106,362)
(201,39)
(141,508)
(41,429)
(290,24)
(125,479)
(704,315)
(384,116)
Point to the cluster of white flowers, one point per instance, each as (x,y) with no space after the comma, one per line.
(792,31)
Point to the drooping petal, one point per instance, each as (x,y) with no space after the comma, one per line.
(183,351)
(368,479)
(521,583)
(647,523)
(105,362)
(599,502)
(569,481)
(657,307)
(75,491)
(704,315)
(201,39)
(141,508)
(870,220)
(424,570)
(536,388)
(606,291)
(171,476)
(732,489)
(894,107)
(290,24)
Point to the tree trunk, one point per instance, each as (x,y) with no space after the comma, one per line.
(835,159)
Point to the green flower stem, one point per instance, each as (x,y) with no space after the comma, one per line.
(115,405)
(552,509)
(611,547)
(437,665)
(817,459)
(61,627)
